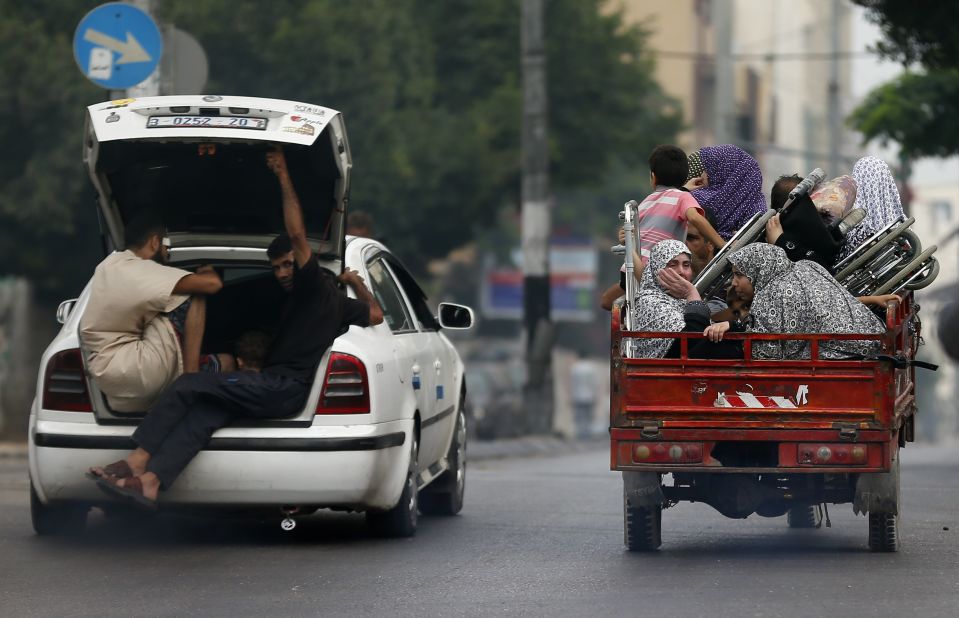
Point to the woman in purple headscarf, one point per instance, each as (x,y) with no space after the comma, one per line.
(733,188)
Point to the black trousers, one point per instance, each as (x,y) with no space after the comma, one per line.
(180,424)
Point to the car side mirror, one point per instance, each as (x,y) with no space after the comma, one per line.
(65,309)
(456,317)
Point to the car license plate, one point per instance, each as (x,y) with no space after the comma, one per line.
(216,122)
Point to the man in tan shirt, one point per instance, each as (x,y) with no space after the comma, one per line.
(144,321)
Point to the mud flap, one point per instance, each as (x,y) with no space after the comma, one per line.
(878,492)
(643,489)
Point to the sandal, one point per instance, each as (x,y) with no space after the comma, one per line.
(131,491)
(118,470)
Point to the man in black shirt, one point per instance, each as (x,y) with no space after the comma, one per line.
(196,405)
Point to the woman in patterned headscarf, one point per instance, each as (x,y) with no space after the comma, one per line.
(667,302)
(655,309)
(734,187)
(877,194)
(797,297)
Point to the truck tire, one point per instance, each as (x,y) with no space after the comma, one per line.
(400,521)
(803,517)
(642,526)
(883,532)
(56,520)
(444,496)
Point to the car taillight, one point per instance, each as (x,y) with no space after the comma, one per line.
(346,389)
(65,385)
(668,452)
(833,454)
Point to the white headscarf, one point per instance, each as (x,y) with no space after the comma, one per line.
(801,297)
(655,310)
(877,194)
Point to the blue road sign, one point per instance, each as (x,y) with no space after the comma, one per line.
(117,45)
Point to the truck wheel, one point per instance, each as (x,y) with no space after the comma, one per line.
(400,521)
(56,520)
(883,532)
(444,496)
(802,517)
(642,526)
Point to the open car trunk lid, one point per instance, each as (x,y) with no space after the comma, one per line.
(199,161)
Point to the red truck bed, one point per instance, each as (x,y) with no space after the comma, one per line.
(795,416)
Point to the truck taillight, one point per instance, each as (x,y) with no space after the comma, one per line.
(668,452)
(833,454)
(65,385)
(346,388)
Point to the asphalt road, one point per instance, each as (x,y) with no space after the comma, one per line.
(540,536)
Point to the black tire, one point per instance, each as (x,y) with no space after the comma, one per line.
(803,517)
(444,496)
(57,520)
(883,532)
(642,526)
(400,521)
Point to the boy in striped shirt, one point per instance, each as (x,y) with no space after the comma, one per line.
(666,213)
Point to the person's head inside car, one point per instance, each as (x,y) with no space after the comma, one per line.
(146,236)
(282,260)
(251,350)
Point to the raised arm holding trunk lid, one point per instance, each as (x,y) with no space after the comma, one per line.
(292,213)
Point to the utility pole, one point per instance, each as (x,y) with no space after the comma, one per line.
(725,77)
(535,222)
(832,100)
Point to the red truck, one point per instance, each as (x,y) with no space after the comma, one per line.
(772,437)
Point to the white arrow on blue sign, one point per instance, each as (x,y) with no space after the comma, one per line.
(117,45)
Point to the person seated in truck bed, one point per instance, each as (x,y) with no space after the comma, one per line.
(184,419)
(667,301)
(144,322)
(796,297)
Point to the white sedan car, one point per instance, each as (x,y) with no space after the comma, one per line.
(384,427)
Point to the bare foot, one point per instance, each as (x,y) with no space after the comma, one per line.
(137,460)
(149,482)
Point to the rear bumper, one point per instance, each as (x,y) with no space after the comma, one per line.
(779,451)
(352,466)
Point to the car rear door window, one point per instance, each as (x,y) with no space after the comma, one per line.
(415,295)
(395,313)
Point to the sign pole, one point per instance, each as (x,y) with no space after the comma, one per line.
(150,87)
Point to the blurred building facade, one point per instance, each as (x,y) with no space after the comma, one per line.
(936,208)
(784,103)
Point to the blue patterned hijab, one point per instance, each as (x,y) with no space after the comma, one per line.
(735,191)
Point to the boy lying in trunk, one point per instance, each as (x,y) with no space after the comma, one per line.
(196,405)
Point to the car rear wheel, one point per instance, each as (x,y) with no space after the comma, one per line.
(400,521)
(56,520)
(444,496)
(883,532)
(642,526)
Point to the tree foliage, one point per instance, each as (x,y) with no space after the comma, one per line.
(431,93)
(48,226)
(917,109)
(921,31)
